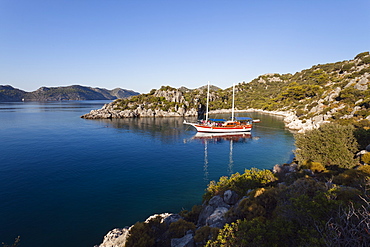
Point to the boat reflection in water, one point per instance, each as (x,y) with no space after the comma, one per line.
(207,138)
(218,137)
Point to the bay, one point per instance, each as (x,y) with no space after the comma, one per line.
(67,181)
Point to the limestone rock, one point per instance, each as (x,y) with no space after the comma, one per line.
(217,218)
(211,211)
(118,236)
(186,241)
(333,94)
(285,169)
(361,84)
(217,201)
(230,197)
(166,218)
(115,238)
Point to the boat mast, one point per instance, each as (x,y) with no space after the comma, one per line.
(207,102)
(232,111)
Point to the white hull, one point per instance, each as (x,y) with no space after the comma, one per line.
(214,129)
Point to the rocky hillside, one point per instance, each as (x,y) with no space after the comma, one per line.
(10,94)
(164,102)
(75,92)
(333,92)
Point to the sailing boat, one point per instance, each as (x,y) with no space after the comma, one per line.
(236,124)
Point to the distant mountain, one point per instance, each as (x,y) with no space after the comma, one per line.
(75,92)
(10,94)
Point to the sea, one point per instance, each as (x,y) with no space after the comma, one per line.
(67,181)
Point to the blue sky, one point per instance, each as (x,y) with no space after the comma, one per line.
(144,44)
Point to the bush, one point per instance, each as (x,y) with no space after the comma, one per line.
(365,169)
(362,136)
(331,145)
(179,228)
(366,158)
(205,233)
(344,193)
(313,166)
(352,177)
(140,236)
(192,215)
(362,54)
(240,183)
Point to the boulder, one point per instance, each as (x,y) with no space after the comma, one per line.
(214,205)
(186,241)
(204,214)
(217,201)
(217,218)
(361,84)
(230,197)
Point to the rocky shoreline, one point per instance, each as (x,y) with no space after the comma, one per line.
(108,111)
(291,120)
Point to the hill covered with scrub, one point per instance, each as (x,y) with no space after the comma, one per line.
(333,92)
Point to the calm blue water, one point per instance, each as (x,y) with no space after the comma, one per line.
(67,181)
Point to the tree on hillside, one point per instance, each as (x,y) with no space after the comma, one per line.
(330,145)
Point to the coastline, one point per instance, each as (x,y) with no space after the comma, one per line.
(291,120)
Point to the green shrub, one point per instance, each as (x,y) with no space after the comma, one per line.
(240,183)
(192,215)
(179,228)
(205,233)
(348,66)
(313,166)
(331,145)
(362,54)
(140,236)
(366,60)
(344,193)
(362,136)
(353,177)
(366,158)
(365,169)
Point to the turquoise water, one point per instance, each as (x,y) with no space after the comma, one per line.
(67,181)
